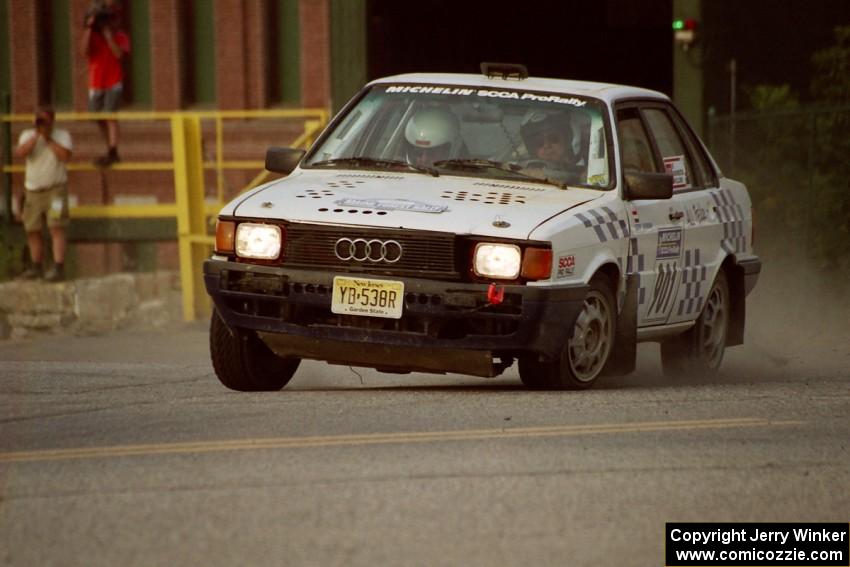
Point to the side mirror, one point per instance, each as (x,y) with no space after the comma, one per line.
(283,160)
(648,185)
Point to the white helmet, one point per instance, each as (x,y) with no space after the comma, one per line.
(432,128)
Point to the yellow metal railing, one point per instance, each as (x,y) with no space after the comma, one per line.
(190,208)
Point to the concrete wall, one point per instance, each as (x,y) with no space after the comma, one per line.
(89,306)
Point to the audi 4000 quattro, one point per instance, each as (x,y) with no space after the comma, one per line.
(461,223)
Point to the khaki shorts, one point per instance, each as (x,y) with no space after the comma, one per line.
(50,203)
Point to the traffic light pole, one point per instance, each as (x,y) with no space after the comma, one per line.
(687,65)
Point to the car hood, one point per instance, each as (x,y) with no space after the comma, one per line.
(460,205)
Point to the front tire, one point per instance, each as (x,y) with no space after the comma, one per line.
(700,350)
(244,363)
(584,356)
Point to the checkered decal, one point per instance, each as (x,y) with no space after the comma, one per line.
(731,216)
(635,264)
(690,288)
(605,223)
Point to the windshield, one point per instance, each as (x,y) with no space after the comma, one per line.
(505,134)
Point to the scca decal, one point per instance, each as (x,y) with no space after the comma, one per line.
(566,266)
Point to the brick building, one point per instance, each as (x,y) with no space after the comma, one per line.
(230,54)
(185,55)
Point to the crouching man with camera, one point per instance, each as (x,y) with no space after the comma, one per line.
(46,150)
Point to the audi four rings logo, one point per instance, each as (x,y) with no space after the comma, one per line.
(362,250)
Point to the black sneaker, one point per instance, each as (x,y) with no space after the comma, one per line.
(108,159)
(31,273)
(56,273)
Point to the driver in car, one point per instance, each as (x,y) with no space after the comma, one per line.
(548,139)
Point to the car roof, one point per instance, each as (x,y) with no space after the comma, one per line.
(607,92)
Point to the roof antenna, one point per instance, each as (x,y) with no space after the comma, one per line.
(504,71)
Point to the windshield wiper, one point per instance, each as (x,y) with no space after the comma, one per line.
(501,166)
(378,162)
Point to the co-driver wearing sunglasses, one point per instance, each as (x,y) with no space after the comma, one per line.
(548,139)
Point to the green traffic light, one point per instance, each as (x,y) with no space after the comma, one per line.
(678,24)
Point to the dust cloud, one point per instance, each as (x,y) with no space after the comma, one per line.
(797,328)
(798,323)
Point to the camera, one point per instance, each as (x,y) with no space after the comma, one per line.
(102,16)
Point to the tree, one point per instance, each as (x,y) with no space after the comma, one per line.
(830,86)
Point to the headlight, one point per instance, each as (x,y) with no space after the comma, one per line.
(260,241)
(500,261)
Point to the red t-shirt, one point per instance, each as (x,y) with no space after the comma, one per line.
(104,68)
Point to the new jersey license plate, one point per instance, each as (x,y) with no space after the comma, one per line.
(367,297)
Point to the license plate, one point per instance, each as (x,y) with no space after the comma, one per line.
(368,298)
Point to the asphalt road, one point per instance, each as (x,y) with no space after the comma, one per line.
(125,450)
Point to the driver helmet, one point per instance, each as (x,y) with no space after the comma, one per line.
(540,128)
(430,135)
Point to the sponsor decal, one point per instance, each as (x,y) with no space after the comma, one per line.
(423,89)
(486,93)
(675,166)
(566,265)
(669,243)
(662,294)
(392,205)
(696,214)
(700,214)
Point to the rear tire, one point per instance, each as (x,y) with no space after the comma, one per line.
(584,356)
(699,351)
(244,363)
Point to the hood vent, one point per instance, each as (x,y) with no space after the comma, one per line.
(346,211)
(344,184)
(488,197)
(371,176)
(315,194)
(508,187)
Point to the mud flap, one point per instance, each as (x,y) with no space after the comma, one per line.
(624,354)
(738,306)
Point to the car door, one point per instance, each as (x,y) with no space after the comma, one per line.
(657,235)
(694,194)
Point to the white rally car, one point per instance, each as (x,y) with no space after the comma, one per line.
(460,223)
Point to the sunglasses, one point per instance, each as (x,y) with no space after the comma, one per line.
(542,138)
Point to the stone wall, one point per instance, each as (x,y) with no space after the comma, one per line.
(89,306)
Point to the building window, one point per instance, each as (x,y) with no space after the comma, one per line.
(137,79)
(5,55)
(200,52)
(55,55)
(284,44)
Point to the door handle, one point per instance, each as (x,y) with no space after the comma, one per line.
(676,215)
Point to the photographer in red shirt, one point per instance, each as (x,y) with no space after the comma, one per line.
(104,46)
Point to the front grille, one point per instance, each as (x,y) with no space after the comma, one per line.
(423,253)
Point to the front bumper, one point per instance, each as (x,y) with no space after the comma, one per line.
(445,326)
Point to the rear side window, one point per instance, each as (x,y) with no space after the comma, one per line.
(635,149)
(705,173)
(674,155)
